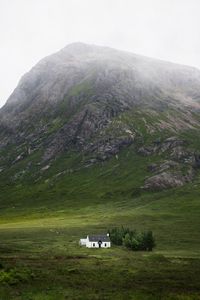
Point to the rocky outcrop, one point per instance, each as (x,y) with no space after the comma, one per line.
(167,180)
(159,168)
(104,149)
(146,150)
(169,174)
(173,145)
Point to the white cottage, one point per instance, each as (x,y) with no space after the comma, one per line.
(96,241)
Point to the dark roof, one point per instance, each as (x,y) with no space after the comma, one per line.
(100,237)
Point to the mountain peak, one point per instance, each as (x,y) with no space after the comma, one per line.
(79,47)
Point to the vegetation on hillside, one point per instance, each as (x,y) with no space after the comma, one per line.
(131,239)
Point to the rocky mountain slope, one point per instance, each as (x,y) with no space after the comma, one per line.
(96,102)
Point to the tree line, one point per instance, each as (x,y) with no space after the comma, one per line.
(132,239)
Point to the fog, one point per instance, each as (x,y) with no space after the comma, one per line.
(33,29)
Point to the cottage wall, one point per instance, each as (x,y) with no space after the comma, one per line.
(83,242)
(90,244)
(96,245)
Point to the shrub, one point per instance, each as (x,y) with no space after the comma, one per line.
(135,244)
(148,241)
(136,241)
(14,276)
(127,242)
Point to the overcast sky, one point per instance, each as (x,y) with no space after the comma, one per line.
(33,29)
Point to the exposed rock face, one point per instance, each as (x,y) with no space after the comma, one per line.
(163,166)
(146,150)
(169,173)
(166,180)
(104,149)
(171,144)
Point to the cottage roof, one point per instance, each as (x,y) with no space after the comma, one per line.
(100,237)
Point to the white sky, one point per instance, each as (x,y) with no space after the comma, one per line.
(33,29)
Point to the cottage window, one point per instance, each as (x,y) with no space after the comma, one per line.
(93,244)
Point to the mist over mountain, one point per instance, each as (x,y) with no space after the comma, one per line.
(107,70)
(98,101)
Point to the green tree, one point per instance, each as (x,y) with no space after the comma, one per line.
(131,239)
(127,241)
(149,241)
(135,245)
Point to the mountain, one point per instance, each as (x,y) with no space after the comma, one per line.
(92,139)
(94,103)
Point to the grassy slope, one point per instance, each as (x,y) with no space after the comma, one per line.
(41,224)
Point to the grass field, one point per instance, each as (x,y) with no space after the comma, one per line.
(42,222)
(40,257)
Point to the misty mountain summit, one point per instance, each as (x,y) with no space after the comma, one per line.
(98,102)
